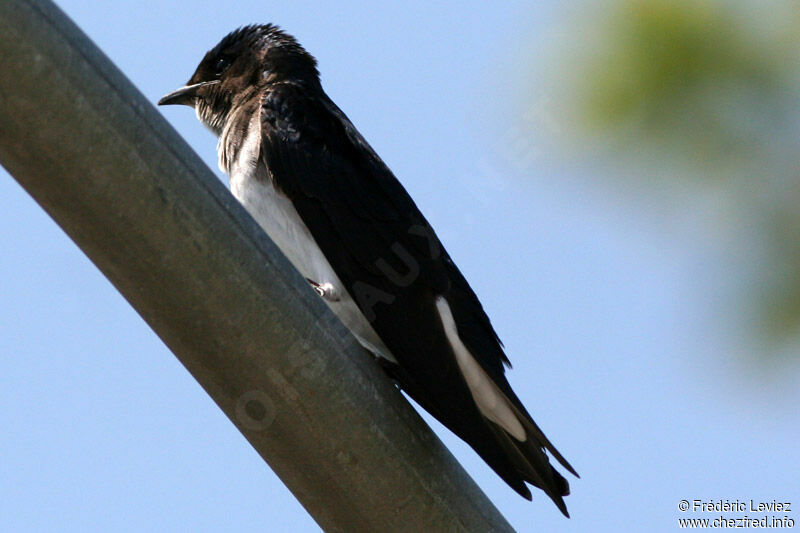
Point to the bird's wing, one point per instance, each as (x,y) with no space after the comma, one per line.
(397,271)
(362,217)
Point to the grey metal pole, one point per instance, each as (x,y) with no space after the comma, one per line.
(135,198)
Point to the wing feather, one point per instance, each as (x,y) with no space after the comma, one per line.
(375,236)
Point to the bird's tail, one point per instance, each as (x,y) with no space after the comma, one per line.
(530,460)
(515,461)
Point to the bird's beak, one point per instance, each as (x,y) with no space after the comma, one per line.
(185,95)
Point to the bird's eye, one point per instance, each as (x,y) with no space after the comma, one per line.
(222,65)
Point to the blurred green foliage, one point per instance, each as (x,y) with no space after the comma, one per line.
(696,76)
(709,90)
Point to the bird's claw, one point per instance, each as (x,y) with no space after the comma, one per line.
(326,290)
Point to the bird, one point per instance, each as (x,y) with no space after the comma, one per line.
(337,212)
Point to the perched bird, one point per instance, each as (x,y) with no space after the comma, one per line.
(337,212)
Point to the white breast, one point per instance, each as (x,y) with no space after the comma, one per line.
(277,216)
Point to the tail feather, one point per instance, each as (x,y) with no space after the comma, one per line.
(533,466)
(515,461)
(533,431)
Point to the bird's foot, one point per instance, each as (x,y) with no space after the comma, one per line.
(326,290)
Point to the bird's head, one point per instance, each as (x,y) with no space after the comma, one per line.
(243,63)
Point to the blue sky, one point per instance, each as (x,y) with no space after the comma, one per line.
(601,302)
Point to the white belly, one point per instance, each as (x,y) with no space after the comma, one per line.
(277,216)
